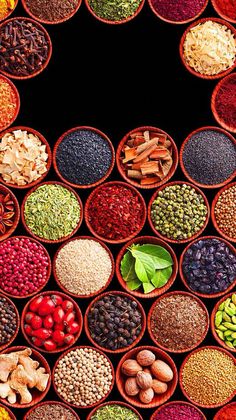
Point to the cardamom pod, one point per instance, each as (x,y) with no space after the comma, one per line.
(233,298)
(222,328)
(230,326)
(226,317)
(218,318)
(233,335)
(227,302)
(222,306)
(229,344)
(230,311)
(234,343)
(220,334)
(234,319)
(227,333)
(232,305)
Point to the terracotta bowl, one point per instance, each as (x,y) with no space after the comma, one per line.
(17,97)
(16,219)
(79,319)
(181,241)
(181,49)
(180,22)
(96,403)
(204,295)
(49,241)
(10,413)
(48,274)
(48,22)
(31,410)
(37,395)
(121,403)
(169,404)
(184,170)
(156,342)
(114,22)
(145,240)
(90,199)
(123,349)
(158,399)
(213,103)
(60,285)
(44,142)
(221,412)
(213,218)
(121,167)
(9,343)
(10,12)
(215,335)
(12,76)
(220,13)
(100,181)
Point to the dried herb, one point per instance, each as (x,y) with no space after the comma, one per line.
(114,10)
(114,411)
(7,212)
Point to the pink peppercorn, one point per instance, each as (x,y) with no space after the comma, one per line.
(178,10)
(178,411)
(24,266)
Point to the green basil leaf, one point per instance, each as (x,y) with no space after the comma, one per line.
(160,256)
(134,284)
(144,267)
(161,277)
(127,267)
(148,288)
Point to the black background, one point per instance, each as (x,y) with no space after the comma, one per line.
(116,78)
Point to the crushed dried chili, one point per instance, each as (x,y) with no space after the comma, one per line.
(227,8)
(227,412)
(8,103)
(225,101)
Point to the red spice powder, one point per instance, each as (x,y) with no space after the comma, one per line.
(227,413)
(225,101)
(178,10)
(8,103)
(178,412)
(227,8)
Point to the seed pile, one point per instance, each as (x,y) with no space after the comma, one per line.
(114,411)
(116,10)
(8,321)
(8,103)
(225,321)
(225,212)
(225,100)
(228,412)
(52,411)
(178,10)
(178,411)
(7,212)
(228,10)
(4,415)
(53,10)
(83,376)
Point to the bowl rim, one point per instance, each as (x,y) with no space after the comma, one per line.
(182,277)
(17,95)
(9,343)
(182,166)
(221,410)
(109,280)
(158,291)
(213,102)
(48,22)
(50,241)
(122,349)
(214,4)
(8,15)
(181,48)
(156,342)
(50,402)
(83,128)
(125,185)
(178,402)
(114,22)
(180,22)
(213,313)
(181,241)
(12,229)
(122,403)
(213,218)
(156,184)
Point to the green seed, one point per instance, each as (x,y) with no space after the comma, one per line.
(234,319)
(234,343)
(218,318)
(222,328)
(233,335)
(230,311)
(232,305)
(221,307)
(227,302)
(227,333)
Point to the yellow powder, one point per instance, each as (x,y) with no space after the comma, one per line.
(5,7)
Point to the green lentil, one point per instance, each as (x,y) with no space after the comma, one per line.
(114,411)
(114,10)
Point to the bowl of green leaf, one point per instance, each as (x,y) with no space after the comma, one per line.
(146,267)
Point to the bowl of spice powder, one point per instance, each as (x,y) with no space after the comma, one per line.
(114,410)
(9,102)
(9,212)
(9,322)
(83,157)
(115,12)
(51,410)
(226,9)
(53,11)
(223,322)
(7,7)
(223,212)
(223,102)
(207,377)
(147,157)
(226,413)
(178,12)
(208,48)
(178,322)
(6,414)
(178,410)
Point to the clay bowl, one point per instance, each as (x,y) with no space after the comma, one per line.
(79,319)
(91,405)
(220,13)
(144,240)
(132,181)
(114,22)
(158,399)
(180,22)
(220,413)
(10,413)
(204,295)
(169,404)
(31,410)
(213,218)
(9,343)
(60,285)
(123,404)
(156,342)
(181,373)
(100,181)
(187,175)
(90,199)
(48,22)
(12,76)
(219,85)
(181,49)
(11,230)
(17,97)
(180,241)
(215,335)
(49,241)
(48,274)
(44,142)
(8,15)
(123,349)
(37,395)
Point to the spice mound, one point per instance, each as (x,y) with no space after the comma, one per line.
(6,7)
(178,411)
(146,157)
(52,411)
(83,157)
(23,157)
(115,321)
(7,212)
(225,212)
(24,47)
(116,211)
(114,411)
(210,48)
(24,266)
(178,10)
(4,414)
(225,101)
(116,10)
(19,374)
(52,212)
(228,412)
(209,377)
(83,376)
(209,157)
(178,322)
(8,103)
(52,11)
(8,321)
(83,266)
(225,321)
(227,8)
(179,212)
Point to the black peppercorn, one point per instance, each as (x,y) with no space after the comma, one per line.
(8,321)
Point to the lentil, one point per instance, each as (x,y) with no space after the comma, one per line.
(8,103)
(209,377)
(6,7)
(116,10)
(114,411)
(52,11)
(8,321)
(225,321)
(179,10)
(83,376)
(227,8)
(178,212)
(225,101)
(178,411)
(52,411)
(4,415)
(225,212)
(83,266)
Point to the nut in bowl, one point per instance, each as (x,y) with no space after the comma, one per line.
(9,213)
(51,409)
(223,322)
(112,409)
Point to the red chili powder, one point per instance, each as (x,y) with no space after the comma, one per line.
(225,101)
(178,412)
(227,8)
(178,10)
(8,103)
(227,413)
